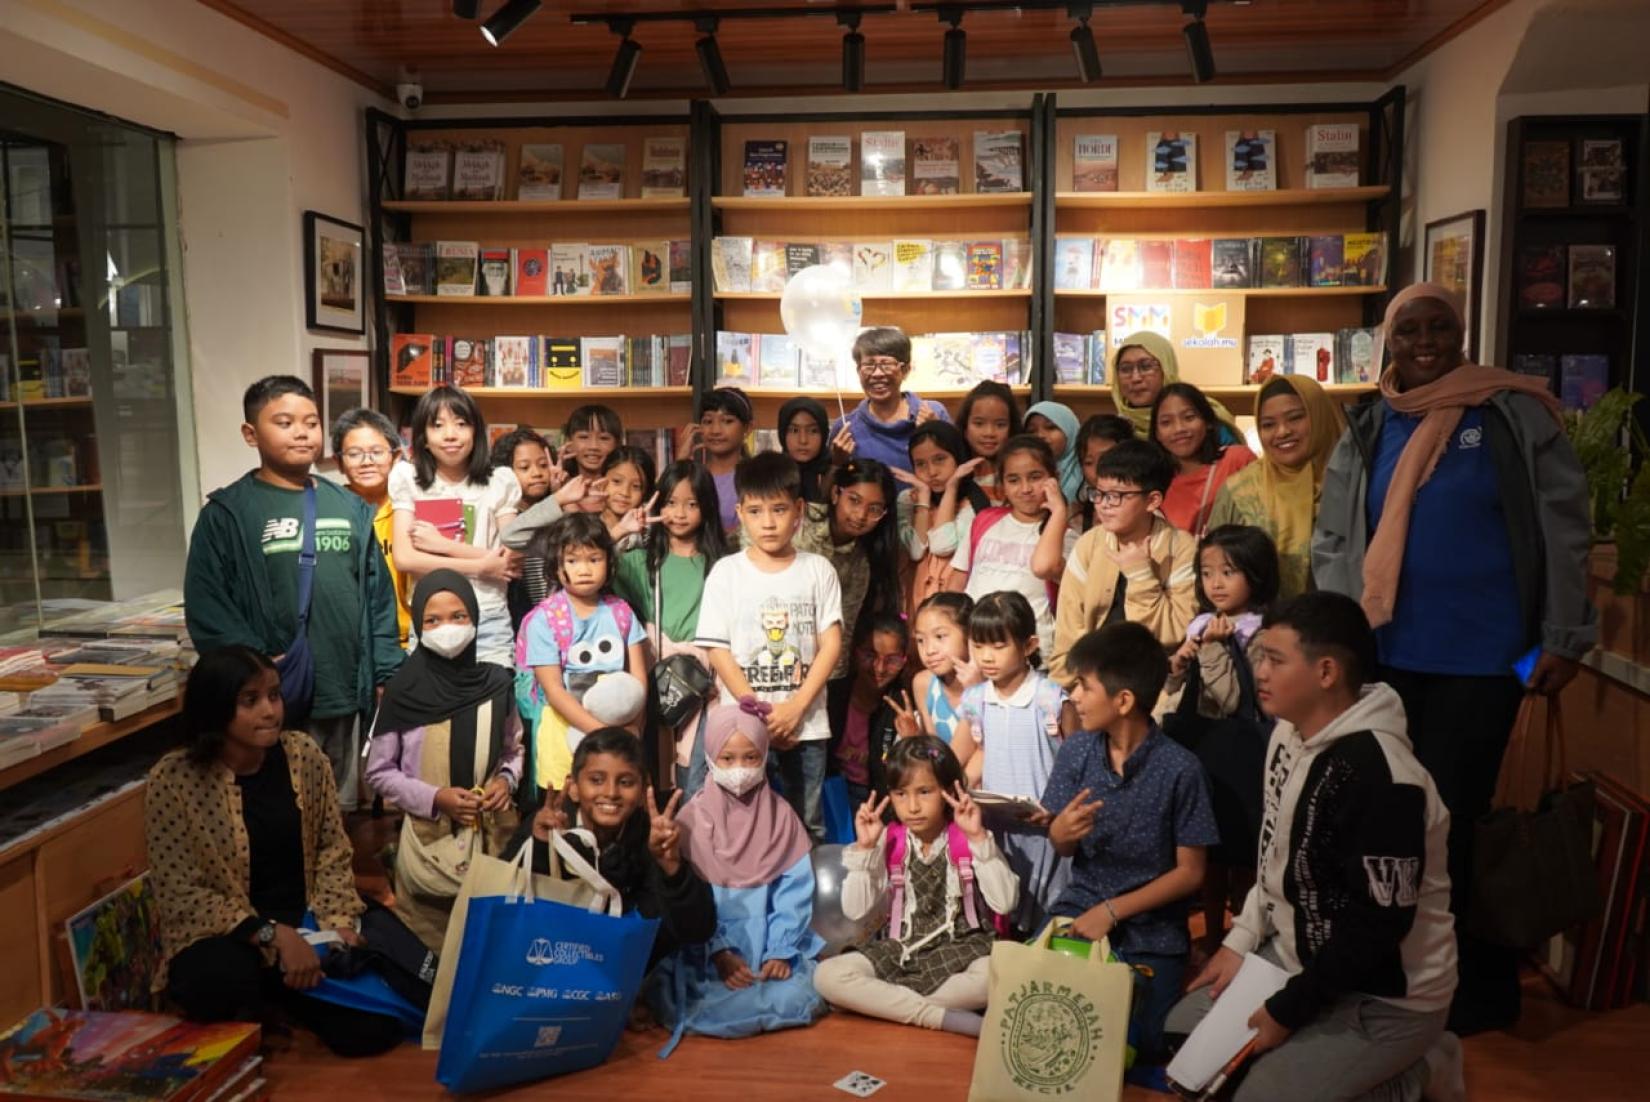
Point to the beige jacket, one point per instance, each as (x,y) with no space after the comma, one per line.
(1160,595)
(1219,691)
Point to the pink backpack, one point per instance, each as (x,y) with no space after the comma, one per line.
(558,610)
(983,521)
(956,845)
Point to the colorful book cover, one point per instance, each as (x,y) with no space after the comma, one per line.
(1171,160)
(478,171)
(768,266)
(882,162)
(735,364)
(561,363)
(873,266)
(609,269)
(467,362)
(428,171)
(681,267)
(1251,160)
(603,361)
(664,168)
(412,359)
(532,279)
(730,264)
(569,270)
(1583,379)
(1070,357)
(935,166)
(1099,353)
(913,266)
(1119,265)
(1332,155)
(831,165)
(1280,262)
(121,1056)
(799,256)
(1265,359)
(496,266)
(985,266)
(950,266)
(1355,356)
(1016,263)
(513,361)
(1193,263)
(116,948)
(538,172)
(1311,354)
(1073,263)
(679,359)
(601,171)
(1325,259)
(417,259)
(1546,174)
(1543,365)
(650,267)
(990,357)
(1540,276)
(394,282)
(765,169)
(1156,264)
(1363,260)
(779,362)
(1094,163)
(1232,262)
(1592,277)
(999,161)
(455,267)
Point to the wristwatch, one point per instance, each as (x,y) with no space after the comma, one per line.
(266,933)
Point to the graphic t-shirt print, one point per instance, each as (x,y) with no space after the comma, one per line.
(285,536)
(782,662)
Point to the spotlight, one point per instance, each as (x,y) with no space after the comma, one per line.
(503,23)
(625,59)
(710,58)
(956,47)
(853,52)
(466,9)
(1082,44)
(1202,55)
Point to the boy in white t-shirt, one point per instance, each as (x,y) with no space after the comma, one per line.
(771,618)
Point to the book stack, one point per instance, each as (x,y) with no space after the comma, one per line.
(72,706)
(1221,263)
(120,690)
(1347,356)
(741,265)
(467,269)
(81,1054)
(539,362)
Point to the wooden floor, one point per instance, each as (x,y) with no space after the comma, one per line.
(1555,1053)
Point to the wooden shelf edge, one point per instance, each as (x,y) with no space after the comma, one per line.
(541,394)
(1292,197)
(95,738)
(879,296)
(1081,390)
(536,300)
(89,488)
(1248,292)
(33,403)
(533,206)
(872,202)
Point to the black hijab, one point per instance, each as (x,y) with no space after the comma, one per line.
(815,469)
(429,688)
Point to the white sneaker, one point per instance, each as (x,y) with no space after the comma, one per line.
(1446,1075)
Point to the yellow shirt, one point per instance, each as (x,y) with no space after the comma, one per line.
(383,526)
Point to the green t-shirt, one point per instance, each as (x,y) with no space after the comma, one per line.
(684,582)
(335,600)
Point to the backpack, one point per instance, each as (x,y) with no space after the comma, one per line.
(558,610)
(983,521)
(956,845)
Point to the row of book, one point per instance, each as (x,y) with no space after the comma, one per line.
(1600,172)
(54,461)
(476,170)
(1579,378)
(46,370)
(904,266)
(934,161)
(1129,264)
(660,444)
(540,362)
(1081,358)
(1346,357)
(939,361)
(1582,277)
(1251,159)
(464,269)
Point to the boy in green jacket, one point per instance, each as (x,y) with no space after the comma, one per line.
(241,584)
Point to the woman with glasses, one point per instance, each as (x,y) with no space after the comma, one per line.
(1142,366)
(880,427)
(367,446)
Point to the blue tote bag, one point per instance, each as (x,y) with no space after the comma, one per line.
(542,988)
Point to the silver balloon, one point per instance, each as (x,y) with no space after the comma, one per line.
(821,310)
(839,931)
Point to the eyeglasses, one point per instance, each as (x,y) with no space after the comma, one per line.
(377,455)
(1137,368)
(874,511)
(881,661)
(1110,497)
(880,366)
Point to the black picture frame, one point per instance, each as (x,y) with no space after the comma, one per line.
(342,380)
(334,275)
(1456,241)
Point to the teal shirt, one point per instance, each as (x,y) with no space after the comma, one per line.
(684,584)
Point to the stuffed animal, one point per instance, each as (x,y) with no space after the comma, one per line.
(616,698)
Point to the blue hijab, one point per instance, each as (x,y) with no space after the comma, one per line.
(1070,463)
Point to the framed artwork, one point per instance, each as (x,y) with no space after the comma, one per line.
(342,381)
(334,278)
(1455,259)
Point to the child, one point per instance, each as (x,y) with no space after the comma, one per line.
(1349,812)
(1100,434)
(1056,426)
(368,448)
(771,618)
(591,433)
(803,424)
(868,727)
(1135,566)
(1132,812)
(948,878)
(942,645)
(1023,546)
(1185,425)
(629,474)
(447,748)
(937,508)
(243,582)
(1011,727)
(725,419)
(530,456)
(880,427)
(451,466)
(664,579)
(756,974)
(575,635)
(990,417)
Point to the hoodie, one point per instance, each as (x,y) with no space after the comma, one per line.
(1353,885)
(888,442)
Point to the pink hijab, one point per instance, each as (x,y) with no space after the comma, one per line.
(739,841)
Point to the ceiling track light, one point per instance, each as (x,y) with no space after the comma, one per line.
(1198,51)
(503,22)
(956,47)
(466,9)
(710,57)
(625,59)
(853,52)
(1082,43)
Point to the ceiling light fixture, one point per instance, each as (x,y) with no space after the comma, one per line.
(956,47)
(710,57)
(853,52)
(1082,43)
(466,9)
(625,59)
(1198,50)
(503,22)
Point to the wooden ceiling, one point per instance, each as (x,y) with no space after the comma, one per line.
(549,57)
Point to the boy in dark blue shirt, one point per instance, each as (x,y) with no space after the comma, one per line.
(1133,814)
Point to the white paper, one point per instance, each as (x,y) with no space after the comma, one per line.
(1225,1031)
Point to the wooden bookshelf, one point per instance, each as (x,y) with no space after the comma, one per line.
(93,738)
(1243,292)
(1211,200)
(507,208)
(603,395)
(814,204)
(883,296)
(38,491)
(47,403)
(563,301)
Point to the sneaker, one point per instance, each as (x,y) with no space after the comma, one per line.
(1446,1075)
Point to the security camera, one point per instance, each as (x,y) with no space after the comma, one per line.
(410,93)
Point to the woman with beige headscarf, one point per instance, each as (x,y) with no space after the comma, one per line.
(1298,425)
(1143,364)
(1454,509)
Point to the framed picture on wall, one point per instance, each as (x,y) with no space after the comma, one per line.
(334,278)
(342,381)
(1455,259)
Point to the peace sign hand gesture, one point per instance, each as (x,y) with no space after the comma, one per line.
(907,720)
(637,519)
(1075,821)
(664,837)
(868,822)
(965,813)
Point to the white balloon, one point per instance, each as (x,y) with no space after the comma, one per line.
(821,310)
(839,931)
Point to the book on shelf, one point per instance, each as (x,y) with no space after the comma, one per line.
(538,172)
(999,161)
(1363,260)
(1073,263)
(1118,261)
(873,266)
(467,361)
(412,359)
(935,166)
(681,267)
(1099,354)
(129,1055)
(417,260)
(1545,174)
(1251,160)
(609,269)
(657,443)
(837,254)
(882,162)
(779,361)
(1094,163)
(735,359)
(1325,259)
(1193,264)
(650,267)
(730,264)
(603,361)
(831,165)
(1265,359)
(821,371)
(679,359)
(1542,365)
(767,266)
(1603,172)
(498,430)
(560,363)
(478,171)
(1156,264)
(1592,277)
(1310,354)
(1070,357)
(664,168)
(765,169)
(985,266)
(1016,263)
(1281,262)
(800,256)
(1332,155)
(513,362)
(455,267)
(569,269)
(644,361)
(428,173)
(1357,355)
(495,266)
(1583,379)
(1171,160)
(1232,262)
(913,266)
(950,266)
(1539,273)
(601,171)
(532,272)
(394,282)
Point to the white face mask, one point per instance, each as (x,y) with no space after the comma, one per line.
(738,779)
(448,640)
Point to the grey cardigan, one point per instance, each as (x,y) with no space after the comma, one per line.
(1544,496)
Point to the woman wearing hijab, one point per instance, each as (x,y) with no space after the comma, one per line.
(743,839)
(447,749)
(1058,427)
(1454,509)
(1142,366)
(1298,425)
(803,424)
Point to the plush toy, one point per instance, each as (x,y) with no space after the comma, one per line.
(616,698)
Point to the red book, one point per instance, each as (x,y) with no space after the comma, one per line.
(1156,264)
(446,513)
(1192,265)
(532,272)
(467,360)
(412,359)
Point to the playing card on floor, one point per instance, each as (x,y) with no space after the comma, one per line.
(859,1084)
